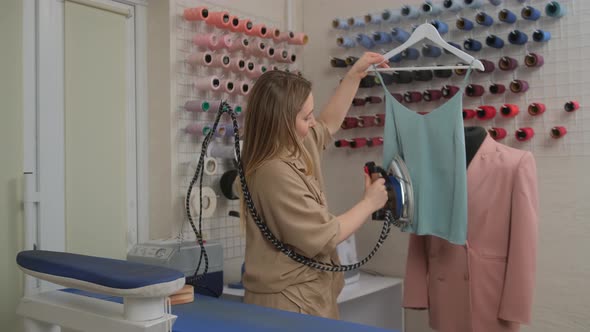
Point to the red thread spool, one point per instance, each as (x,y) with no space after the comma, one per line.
(412,97)
(488,66)
(380,120)
(533,60)
(519,86)
(341,143)
(358,142)
(366,121)
(507,63)
(374,100)
(432,95)
(398,97)
(497,89)
(349,122)
(509,110)
(497,133)
(485,112)
(536,109)
(234,23)
(524,134)
(571,106)
(449,91)
(468,114)
(474,90)
(196,14)
(375,141)
(558,132)
(358,102)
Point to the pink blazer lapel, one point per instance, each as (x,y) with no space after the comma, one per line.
(480,167)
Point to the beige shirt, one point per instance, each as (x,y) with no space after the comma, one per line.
(293,205)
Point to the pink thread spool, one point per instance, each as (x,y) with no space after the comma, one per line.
(234,25)
(571,106)
(509,110)
(281,55)
(270,52)
(196,14)
(200,58)
(474,90)
(197,106)
(507,63)
(214,105)
(292,57)
(275,34)
(286,35)
(197,129)
(367,121)
(341,143)
(485,112)
(349,122)
(412,96)
(219,19)
(524,134)
(534,60)
(497,133)
(208,83)
(375,141)
(221,61)
(519,86)
(258,30)
(227,41)
(237,65)
(243,88)
(558,132)
(432,95)
(245,26)
(239,44)
(380,120)
(358,142)
(497,89)
(206,40)
(229,86)
(299,38)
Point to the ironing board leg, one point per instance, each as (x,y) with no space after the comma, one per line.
(32,325)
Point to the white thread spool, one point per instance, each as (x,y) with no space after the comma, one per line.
(209,202)
(210,166)
(221,151)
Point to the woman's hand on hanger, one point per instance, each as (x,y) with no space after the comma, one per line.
(359,69)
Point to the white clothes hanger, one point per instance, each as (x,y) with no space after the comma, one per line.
(428,31)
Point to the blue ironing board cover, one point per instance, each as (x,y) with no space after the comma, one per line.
(103,275)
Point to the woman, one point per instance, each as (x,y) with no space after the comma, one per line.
(283,143)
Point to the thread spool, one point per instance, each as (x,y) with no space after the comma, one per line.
(356,22)
(245,26)
(341,143)
(375,141)
(558,132)
(472,45)
(374,100)
(423,75)
(345,42)
(455,45)
(449,91)
(443,73)
(460,71)
(507,63)
(197,129)
(359,142)
(431,51)
(349,122)
(485,112)
(299,38)
(540,36)
(358,102)
(571,106)
(226,184)
(506,16)
(237,65)
(410,53)
(209,199)
(208,83)
(381,37)
(494,41)
(474,90)
(286,35)
(530,13)
(380,120)
(195,14)
(484,19)
(228,86)
(468,114)
(440,26)
(238,110)
(387,79)
(275,34)
(258,30)
(431,9)
(488,66)
(373,18)
(240,44)
(270,52)
(473,3)
(497,89)
(400,35)
(234,23)
(535,109)
(517,37)
(533,60)
(519,86)
(197,106)
(210,166)
(207,40)
(227,41)
(554,9)
(509,110)
(291,58)
(200,58)
(221,61)
(497,133)
(524,134)
(365,41)
(221,151)
(391,16)
(366,121)
(412,96)
(453,5)
(410,12)
(432,95)
(219,19)
(339,23)
(464,24)
(495,2)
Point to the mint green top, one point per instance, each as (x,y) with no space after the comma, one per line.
(433,148)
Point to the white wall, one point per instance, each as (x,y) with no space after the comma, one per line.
(562,300)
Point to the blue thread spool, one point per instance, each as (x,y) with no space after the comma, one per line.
(410,54)
(345,42)
(339,23)
(484,19)
(472,45)
(541,36)
(454,45)
(382,37)
(496,2)
(530,13)
(373,18)
(464,24)
(356,22)
(441,26)
(396,58)
(365,41)
(494,41)
(400,35)
(473,3)
(517,37)
(390,16)
(554,9)
(453,5)
(507,16)
(431,51)
(410,12)
(431,9)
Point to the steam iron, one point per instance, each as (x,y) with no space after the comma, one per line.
(400,191)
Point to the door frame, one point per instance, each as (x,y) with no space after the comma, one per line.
(43,102)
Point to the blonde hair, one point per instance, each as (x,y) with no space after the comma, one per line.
(269,127)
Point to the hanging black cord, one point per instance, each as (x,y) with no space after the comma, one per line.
(226,108)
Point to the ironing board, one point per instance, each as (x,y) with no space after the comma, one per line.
(143,288)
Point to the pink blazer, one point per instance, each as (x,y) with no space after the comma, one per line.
(486,285)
